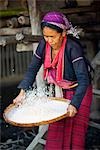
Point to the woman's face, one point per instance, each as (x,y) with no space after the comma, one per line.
(53,37)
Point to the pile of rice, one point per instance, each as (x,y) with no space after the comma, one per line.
(37,108)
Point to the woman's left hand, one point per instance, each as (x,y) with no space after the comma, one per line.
(72,111)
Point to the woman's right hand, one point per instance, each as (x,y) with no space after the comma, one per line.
(19,99)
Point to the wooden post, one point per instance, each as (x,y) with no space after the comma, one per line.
(36,30)
(34,17)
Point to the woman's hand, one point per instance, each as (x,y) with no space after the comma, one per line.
(72,111)
(19,99)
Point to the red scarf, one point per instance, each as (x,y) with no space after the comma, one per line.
(58,61)
(58,64)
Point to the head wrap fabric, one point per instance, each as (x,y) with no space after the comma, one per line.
(59,19)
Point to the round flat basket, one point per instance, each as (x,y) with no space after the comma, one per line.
(41,112)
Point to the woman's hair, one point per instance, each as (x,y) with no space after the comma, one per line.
(45,24)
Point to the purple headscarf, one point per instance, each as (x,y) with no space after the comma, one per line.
(58,19)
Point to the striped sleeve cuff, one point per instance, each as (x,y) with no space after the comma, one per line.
(79,58)
(37,55)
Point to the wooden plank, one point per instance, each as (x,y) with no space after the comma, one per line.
(94,124)
(21,47)
(34,17)
(80,10)
(92,29)
(9,31)
(96,92)
(31,38)
(4,40)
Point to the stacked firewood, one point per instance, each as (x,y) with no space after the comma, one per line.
(15,22)
(14,14)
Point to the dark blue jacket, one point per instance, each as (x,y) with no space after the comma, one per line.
(75,68)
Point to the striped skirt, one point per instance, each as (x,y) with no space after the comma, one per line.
(70,133)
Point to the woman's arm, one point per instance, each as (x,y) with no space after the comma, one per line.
(81,73)
(19,99)
(33,68)
(31,73)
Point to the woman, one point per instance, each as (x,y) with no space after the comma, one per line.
(65,67)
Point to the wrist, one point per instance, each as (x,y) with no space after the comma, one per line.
(22,92)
